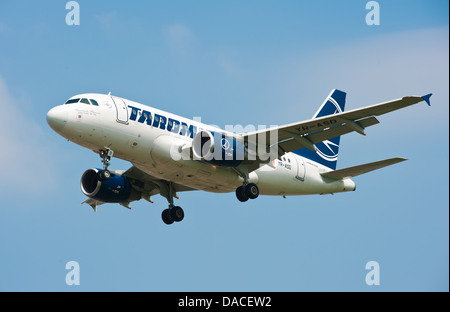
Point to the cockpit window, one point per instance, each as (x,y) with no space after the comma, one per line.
(84,101)
(72,101)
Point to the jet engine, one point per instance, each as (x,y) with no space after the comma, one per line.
(218,149)
(116,189)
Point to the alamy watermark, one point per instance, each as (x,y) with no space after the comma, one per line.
(373,276)
(73,276)
(73,16)
(229,145)
(373,17)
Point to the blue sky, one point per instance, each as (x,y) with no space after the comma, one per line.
(229,62)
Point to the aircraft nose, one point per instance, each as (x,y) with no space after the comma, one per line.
(57,118)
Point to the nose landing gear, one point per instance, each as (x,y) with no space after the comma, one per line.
(105,155)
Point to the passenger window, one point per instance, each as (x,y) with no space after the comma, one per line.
(85,101)
(72,101)
(94,102)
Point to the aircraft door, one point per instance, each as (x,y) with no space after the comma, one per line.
(122,111)
(300,168)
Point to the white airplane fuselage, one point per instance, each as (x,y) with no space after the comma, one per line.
(130,130)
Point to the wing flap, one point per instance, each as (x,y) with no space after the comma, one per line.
(350,172)
(313,138)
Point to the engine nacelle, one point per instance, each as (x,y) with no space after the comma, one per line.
(116,189)
(167,149)
(217,149)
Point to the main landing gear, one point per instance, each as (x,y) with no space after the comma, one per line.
(173,213)
(248,190)
(105,155)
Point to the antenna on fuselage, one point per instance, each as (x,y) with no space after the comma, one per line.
(109,93)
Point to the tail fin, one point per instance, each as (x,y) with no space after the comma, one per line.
(327,151)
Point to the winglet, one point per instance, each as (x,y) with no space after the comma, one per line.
(426,98)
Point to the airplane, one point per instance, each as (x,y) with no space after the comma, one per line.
(171,154)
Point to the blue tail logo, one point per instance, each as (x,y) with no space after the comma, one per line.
(327,151)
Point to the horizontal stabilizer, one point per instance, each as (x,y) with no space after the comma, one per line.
(361,169)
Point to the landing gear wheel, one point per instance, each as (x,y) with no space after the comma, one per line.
(167,217)
(104,175)
(241,194)
(177,214)
(251,190)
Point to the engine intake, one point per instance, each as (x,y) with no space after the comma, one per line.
(217,149)
(116,189)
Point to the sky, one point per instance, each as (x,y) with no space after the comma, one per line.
(229,63)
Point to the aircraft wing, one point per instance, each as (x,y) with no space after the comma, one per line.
(295,136)
(146,183)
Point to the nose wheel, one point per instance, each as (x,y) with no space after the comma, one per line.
(104,175)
